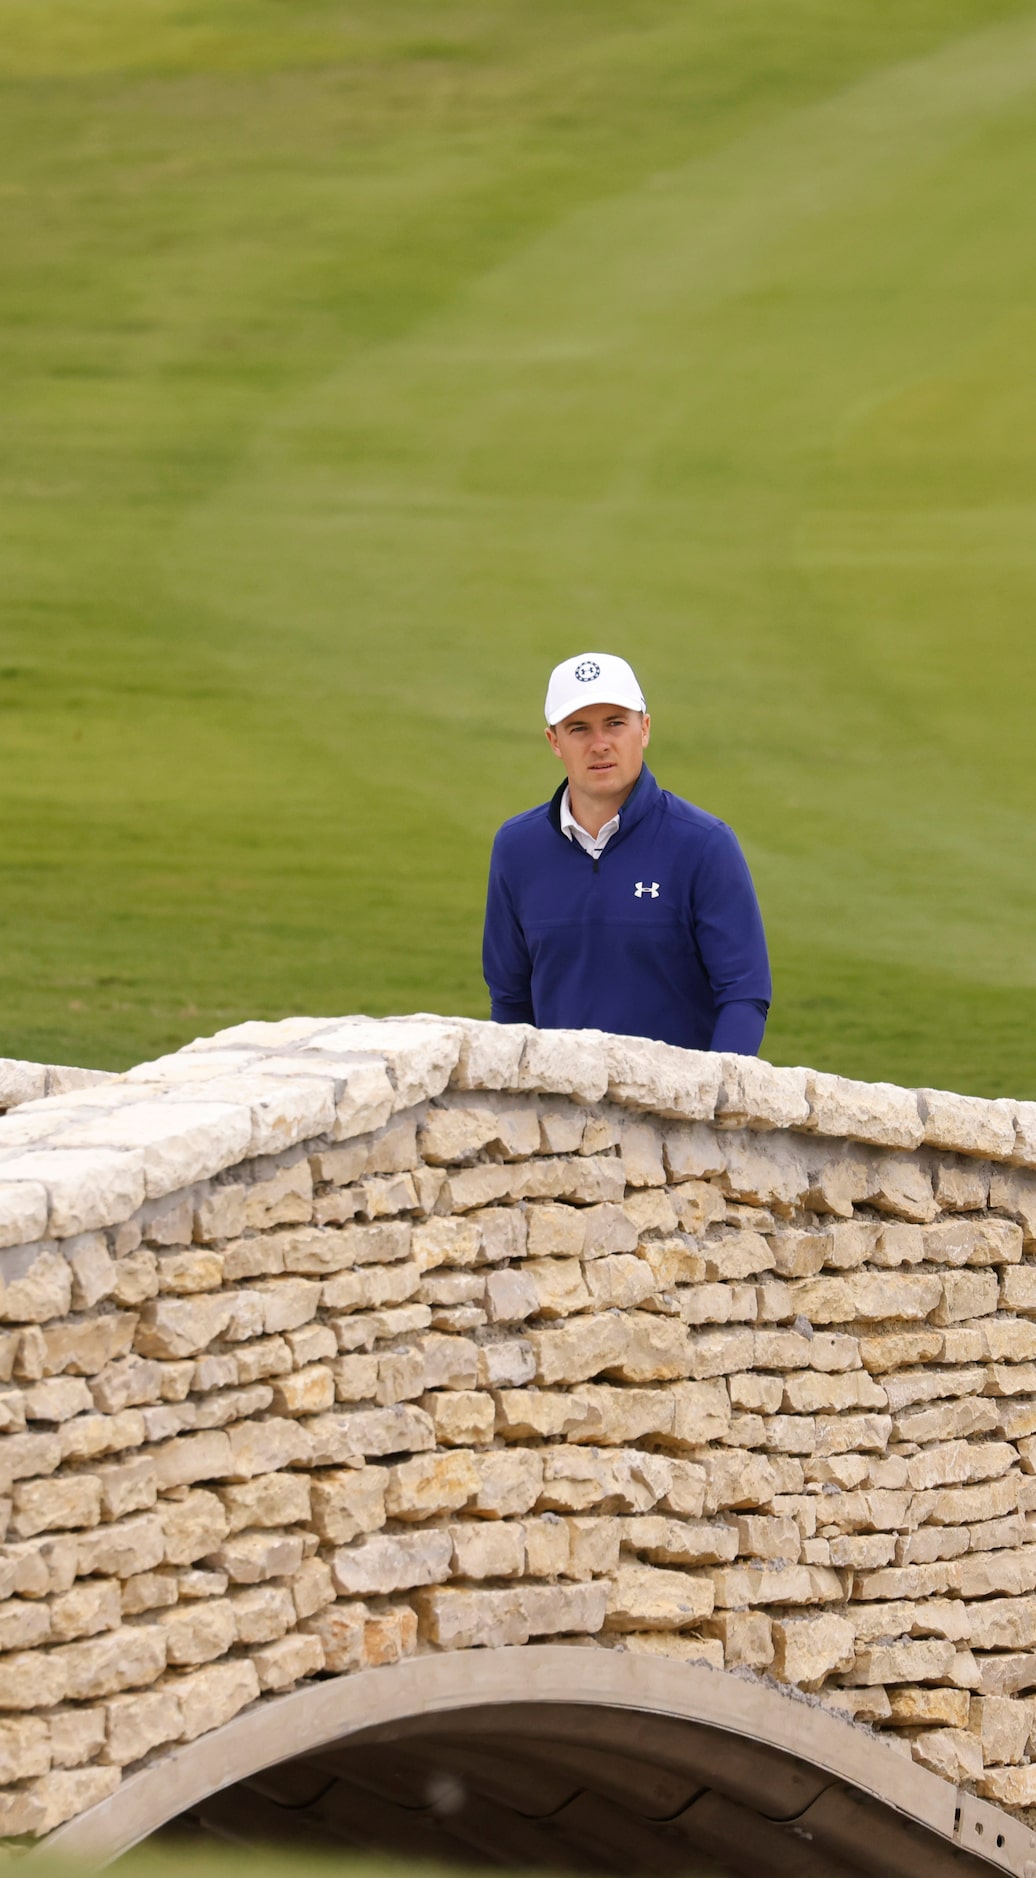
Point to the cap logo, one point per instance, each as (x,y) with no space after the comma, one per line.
(587,671)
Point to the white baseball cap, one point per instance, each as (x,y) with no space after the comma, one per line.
(592,678)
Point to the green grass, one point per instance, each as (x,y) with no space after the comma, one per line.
(361,360)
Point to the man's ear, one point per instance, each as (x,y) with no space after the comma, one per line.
(552,738)
(645,730)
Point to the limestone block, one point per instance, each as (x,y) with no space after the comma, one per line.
(86,1436)
(656,1348)
(577,1350)
(927,1385)
(126,1658)
(24,1455)
(305,1392)
(512,1296)
(356,1378)
(800,1254)
(311,1588)
(904,1189)
(650,1210)
(270,1356)
(746,1638)
(1003,1726)
(873,1112)
(896,1349)
(754,1094)
(670,1262)
(85,1610)
(1003,1623)
(340,1632)
(430,1484)
(32,1679)
(262,1613)
(966,1294)
(737,1255)
(483,1550)
(718,1352)
(211,1696)
(282,1664)
(558,1286)
(179,1327)
(929,1661)
(959,1461)
(392,1562)
(737,1587)
(275,1499)
(455,1242)
(86,1347)
(645,1597)
(24,1748)
(1007,1786)
(717,1304)
(736,1478)
(679,1542)
(620,1281)
(462,1417)
(791,1349)
(250,1558)
(509,1482)
(122,1549)
(55,1798)
(593,1547)
(547,1545)
(806,1391)
(261,1447)
(967,1124)
(23,1211)
(643,1074)
(562,1127)
(509,1363)
(137,1723)
(43,1290)
(450,1362)
(198,1632)
(148,1591)
(768,1537)
(86,1187)
(615,1416)
(1015,1194)
(641,1154)
(49,1505)
(136,1278)
(931,1708)
(576,1480)
(501,1234)
(586,1180)
(192,1526)
(807,1650)
(58,1399)
(951,1752)
(187,1458)
(22,1624)
(693,1151)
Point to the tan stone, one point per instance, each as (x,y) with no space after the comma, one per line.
(250,1558)
(511,1297)
(790,1349)
(593,1547)
(737,1587)
(620,1281)
(87,1346)
(287,1661)
(86,1436)
(85,1610)
(928,1661)
(462,1417)
(392,1562)
(32,1679)
(198,1632)
(451,1362)
(430,1484)
(123,1548)
(148,1591)
(192,1526)
(547,1545)
(760,1536)
(809,1390)
(951,1752)
(119,1659)
(24,1748)
(641,1154)
(340,1631)
(577,1350)
(1003,1623)
(509,1483)
(1003,1726)
(1007,1786)
(137,1723)
(171,1326)
(43,1290)
(187,1458)
(616,1416)
(678,1541)
(348,1502)
(262,1613)
(211,1696)
(577,1480)
(507,1364)
(746,1638)
(356,1378)
(644,1597)
(718,1304)
(650,1210)
(49,1505)
(487,1550)
(55,1798)
(737,1478)
(22,1624)
(809,1649)
(267,1500)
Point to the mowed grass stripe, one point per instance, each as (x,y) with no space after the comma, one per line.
(360,370)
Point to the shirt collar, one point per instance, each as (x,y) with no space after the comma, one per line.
(594,844)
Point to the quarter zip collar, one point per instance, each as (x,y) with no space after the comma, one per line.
(641,800)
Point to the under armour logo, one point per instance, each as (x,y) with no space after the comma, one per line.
(587,671)
(640,890)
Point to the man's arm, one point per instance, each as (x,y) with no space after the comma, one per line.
(506,965)
(729,929)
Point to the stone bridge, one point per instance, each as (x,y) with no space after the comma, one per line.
(533,1447)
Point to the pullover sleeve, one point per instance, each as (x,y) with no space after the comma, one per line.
(728,927)
(506,965)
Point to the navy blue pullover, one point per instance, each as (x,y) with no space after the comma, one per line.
(660,937)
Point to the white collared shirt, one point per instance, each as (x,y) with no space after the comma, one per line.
(593,844)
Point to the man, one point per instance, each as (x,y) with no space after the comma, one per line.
(617,906)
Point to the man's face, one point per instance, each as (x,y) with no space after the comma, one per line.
(602,749)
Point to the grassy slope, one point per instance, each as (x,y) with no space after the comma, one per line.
(361,360)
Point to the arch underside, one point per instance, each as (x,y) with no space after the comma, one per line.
(562,1759)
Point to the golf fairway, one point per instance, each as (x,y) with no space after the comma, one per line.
(361,361)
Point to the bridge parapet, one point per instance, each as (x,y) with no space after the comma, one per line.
(333,1342)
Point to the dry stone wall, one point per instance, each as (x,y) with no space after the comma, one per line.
(325,1343)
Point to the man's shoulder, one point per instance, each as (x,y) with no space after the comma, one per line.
(687,819)
(519,830)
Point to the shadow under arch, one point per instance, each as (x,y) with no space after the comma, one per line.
(568,1758)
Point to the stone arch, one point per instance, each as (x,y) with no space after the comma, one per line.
(791,1779)
(329,1346)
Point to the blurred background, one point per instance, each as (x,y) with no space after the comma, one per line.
(361,360)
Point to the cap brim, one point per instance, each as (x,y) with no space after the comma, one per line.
(593,694)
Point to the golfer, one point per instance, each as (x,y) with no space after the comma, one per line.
(617,906)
